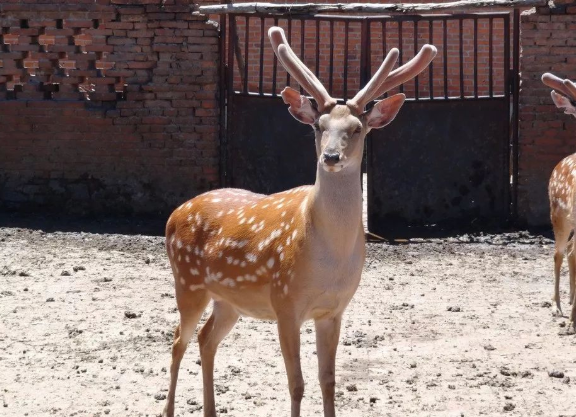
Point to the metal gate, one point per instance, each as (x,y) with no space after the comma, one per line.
(449,157)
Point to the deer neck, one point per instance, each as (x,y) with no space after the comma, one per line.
(336,207)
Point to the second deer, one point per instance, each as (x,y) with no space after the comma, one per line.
(561,191)
(292,256)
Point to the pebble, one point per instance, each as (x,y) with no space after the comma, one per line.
(556,374)
(509,407)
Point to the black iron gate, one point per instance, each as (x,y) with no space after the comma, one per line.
(450,156)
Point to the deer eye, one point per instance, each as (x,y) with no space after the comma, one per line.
(358,129)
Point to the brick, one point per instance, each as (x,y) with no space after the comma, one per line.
(141,65)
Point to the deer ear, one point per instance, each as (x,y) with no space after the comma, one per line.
(384,111)
(563,103)
(300,106)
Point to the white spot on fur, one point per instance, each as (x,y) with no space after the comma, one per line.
(270,263)
(212,276)
(228,282)
(194,271)
(196,287)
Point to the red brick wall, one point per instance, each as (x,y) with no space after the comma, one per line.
(106,105)
(546,135)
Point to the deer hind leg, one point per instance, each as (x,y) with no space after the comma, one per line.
(327,335)
(222,320)
(572,326)
(289,334)
(561,234)
(191,309)
(572,267)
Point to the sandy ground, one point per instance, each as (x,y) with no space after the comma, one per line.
(460,326)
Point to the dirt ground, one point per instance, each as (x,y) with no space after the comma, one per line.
(459,326)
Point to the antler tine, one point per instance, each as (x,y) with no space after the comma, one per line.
(365,95)
(409,70)
(563,86)
(571,88)
(298,70)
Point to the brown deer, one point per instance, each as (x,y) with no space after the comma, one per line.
(561,192)
(292,256)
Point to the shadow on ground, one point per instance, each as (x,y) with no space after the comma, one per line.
(152,225)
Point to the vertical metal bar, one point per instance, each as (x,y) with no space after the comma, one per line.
(507,88)
(416,95)
(261,76)
(490,60)
(246,57)
(401,47)
(476,57)
(384,40)
(233,42)
(290,42)
(302,41)
(331,69)
(445,49)
(431,66)
(364,52)
(515,108)
(506,68)
(318,48)
(384,45)
(346,27)
(274,66)
(461,38)
(222,99)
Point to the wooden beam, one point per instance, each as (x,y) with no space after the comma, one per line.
(372,8)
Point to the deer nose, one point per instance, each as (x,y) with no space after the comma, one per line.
(331,158)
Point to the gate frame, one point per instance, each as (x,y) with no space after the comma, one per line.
(511,79)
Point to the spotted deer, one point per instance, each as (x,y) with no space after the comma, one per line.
(561,191)
(292,256)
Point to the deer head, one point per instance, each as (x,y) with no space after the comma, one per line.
(563,93)
(340,129)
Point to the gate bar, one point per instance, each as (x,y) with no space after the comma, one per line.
(222,74)
(515,105)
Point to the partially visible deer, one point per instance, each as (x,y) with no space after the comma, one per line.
(561,190)
(292,256)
